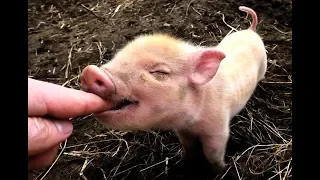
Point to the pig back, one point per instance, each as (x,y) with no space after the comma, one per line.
(245,53)
(241,70)
(244,40)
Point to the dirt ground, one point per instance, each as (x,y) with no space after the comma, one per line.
(64,36)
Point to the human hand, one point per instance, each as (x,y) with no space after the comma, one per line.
(50,107)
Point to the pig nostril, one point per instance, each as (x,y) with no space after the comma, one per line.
(99,83)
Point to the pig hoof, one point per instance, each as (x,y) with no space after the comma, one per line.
(214,171)
(218,168)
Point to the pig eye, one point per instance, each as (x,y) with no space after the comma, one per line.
(159,72)
(160,75)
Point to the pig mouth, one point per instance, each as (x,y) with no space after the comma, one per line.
(124,103)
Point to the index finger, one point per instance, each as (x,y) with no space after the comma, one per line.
(61,102)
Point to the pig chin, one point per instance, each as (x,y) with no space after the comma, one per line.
(121,119)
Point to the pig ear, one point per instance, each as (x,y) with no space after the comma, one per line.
(205,64)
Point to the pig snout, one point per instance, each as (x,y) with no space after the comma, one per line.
(96,81)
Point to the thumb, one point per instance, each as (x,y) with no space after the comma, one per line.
(43,133)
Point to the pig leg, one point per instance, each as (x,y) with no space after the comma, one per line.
(214,148)
(194,162)
(188,141)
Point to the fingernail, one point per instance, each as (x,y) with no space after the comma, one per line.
(65,127)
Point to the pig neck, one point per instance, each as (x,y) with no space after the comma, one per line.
(206,101)
(207,106)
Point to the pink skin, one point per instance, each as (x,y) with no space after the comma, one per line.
(159,82)
(50,108)
(149,96)
(159,100)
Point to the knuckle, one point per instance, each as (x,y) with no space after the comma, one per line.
(38,129)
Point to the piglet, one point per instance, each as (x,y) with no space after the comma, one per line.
(158,81)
